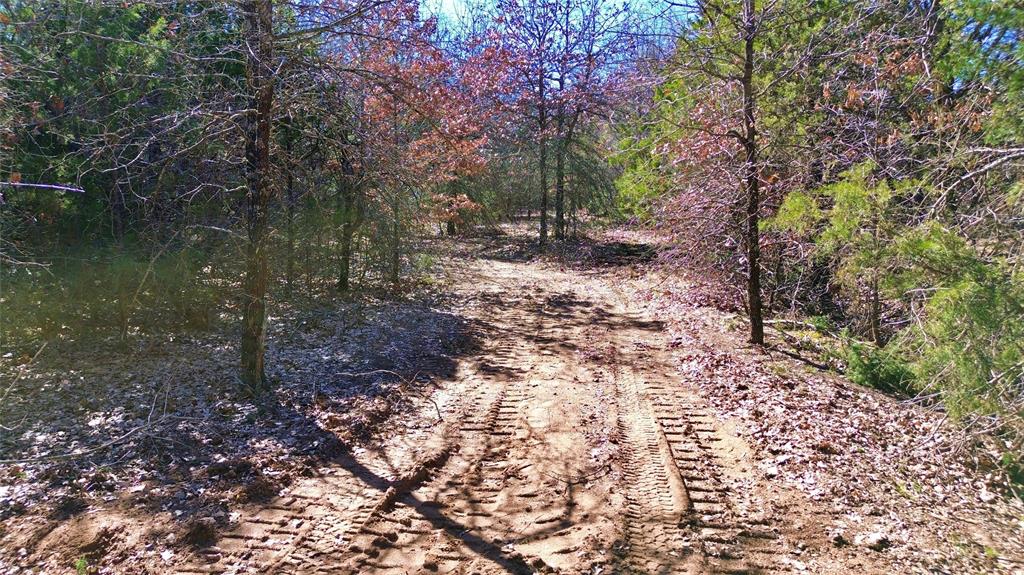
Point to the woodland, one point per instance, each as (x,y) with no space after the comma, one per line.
(489,286)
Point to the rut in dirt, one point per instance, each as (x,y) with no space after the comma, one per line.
(566,446)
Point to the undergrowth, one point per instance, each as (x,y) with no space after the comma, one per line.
(108,291)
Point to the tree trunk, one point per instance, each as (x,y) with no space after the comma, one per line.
(307,267)
(751,179)
(876,314)
(118,213)
(352,220)
(394,266)
(290,207)
(542,160)
(318,266)
(345,266)
(560,184)
(573,208)
(259,37)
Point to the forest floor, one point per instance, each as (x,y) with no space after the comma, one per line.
(578,413)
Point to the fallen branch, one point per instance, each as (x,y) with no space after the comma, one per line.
(800,324)
(404,388)
(59,188)
(802,359)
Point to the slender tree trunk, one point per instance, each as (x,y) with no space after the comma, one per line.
(118,213)
(290,207)
(562,137)
(876,314)
(318,267)
(308,267)
(560,183)
(396,242)
(876,301)
(573,208)
(396,235)
(751,178)
(344,239)
(542,160)
(345,266)
(259,37)
(564,141)
(352,214)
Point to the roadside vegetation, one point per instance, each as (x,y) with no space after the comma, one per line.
(887,218)
(235,236)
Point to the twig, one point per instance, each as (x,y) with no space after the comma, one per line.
(218,229)
(80,453)
(802,359)
(607,467)
(149,268)
(793,322)
(21,371)
(938,427)
(404,389)
(403,381)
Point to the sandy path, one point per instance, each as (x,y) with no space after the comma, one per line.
(566,445)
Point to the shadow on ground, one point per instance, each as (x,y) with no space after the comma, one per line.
(163,430)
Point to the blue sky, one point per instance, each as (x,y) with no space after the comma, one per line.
(449,9)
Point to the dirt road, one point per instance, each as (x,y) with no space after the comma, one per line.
(565,443)
(578,413)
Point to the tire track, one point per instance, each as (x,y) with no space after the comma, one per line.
(730,543)
(656,500)
(295,530)
(494,490)
(670,443)
(322,524)
(464,497)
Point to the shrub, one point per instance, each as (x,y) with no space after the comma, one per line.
(880,368)
(969,340)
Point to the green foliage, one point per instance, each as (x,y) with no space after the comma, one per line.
(592,181)
(821,323)
(983,46)
(970,339)
(892,183)
(1013,463)
(423,263)
(850,219)
(643,180)
(1015,196)
(880,368)
(965,341)
(969,345)
(851,222)
(798,213)
(858,211)
(638,188)
(81,566)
